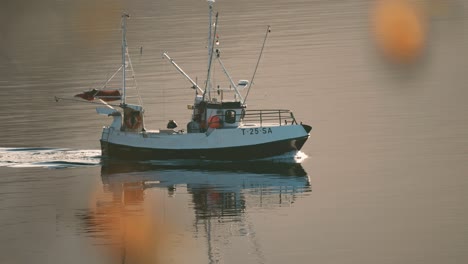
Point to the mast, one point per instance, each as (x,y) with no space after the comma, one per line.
(210,15)
(210,61)
(210,48)
(124,51)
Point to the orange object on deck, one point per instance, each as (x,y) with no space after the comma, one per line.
(214,122)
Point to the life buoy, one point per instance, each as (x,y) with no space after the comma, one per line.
(214,122)
(133,120)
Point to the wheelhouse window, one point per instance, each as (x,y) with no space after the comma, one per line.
(230,116)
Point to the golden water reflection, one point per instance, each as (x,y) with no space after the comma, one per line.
(142,213)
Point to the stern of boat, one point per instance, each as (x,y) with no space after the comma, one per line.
(104,148)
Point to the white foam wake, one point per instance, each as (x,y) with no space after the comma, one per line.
(48,157)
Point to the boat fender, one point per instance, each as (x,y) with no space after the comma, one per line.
(171,124)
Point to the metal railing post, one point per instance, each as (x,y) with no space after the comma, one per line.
(261,119)
(279,115)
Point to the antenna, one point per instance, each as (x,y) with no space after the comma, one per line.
(258,62)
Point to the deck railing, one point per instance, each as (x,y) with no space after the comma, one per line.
(275,116)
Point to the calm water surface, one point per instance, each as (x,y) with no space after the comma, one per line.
(385,178)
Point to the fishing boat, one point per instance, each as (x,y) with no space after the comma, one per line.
(220,127)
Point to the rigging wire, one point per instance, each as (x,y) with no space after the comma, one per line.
(258,62)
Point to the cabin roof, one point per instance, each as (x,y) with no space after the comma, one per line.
(224,105)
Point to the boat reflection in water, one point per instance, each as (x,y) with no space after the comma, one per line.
(220,194)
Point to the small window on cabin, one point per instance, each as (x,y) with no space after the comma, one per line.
(230,116)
